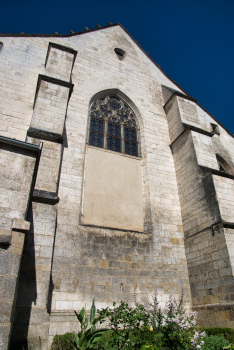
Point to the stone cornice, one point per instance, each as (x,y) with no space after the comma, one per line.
(218,172)
(45,197)
(193,128)
(20,144)
(45,135)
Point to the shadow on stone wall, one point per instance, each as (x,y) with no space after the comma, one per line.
(27,292)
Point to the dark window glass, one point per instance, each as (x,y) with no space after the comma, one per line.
(113,143)
(114,130)
(130,134)
(131,148)
(96,135)
(114,137)
(97,125)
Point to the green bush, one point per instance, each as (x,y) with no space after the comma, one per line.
(215,342)
(228,333)
(61,342)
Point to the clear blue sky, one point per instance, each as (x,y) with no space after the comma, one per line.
(191,39)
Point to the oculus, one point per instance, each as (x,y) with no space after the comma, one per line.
(120,53)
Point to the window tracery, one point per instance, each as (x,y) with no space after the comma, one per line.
(113,126)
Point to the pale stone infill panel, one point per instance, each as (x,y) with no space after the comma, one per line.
(174,120)
(204,150)
(16,171)
(224,188)
(188,112)
(211,277)
(59,64)
(48,171)
(50,108)
(113,190)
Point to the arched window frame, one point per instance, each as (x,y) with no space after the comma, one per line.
(124,117)
(223,165)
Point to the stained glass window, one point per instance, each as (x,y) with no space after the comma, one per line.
(113,126)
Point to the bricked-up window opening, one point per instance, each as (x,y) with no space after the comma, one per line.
(113,126)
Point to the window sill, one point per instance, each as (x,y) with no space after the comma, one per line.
(115,228)
(107,150)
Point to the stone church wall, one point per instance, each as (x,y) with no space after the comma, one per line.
(47,85)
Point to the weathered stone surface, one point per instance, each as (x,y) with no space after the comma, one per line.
(21,225)
(65,263)
(5,263)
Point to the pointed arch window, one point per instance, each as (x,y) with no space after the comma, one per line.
(223,165)
(113,126)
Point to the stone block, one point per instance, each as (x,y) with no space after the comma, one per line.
(5,236)
(9,289)
(4,336)
(5,312)
(20,225)
(5,263)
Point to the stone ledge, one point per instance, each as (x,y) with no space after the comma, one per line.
(218,172)
(45,197)
(20,225)
(116,229)
(199,130)
(45,135)
(21,144)
(218,306)
(5,236)
(228,225)
(193,128)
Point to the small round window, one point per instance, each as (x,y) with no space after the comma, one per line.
(120,53)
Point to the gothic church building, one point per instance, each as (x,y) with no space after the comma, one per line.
(113,180)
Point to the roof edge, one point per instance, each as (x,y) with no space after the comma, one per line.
(58,35)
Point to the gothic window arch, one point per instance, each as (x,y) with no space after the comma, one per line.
(223,165)
(113,126)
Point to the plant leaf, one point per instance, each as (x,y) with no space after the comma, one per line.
(75,343)
(92,311)
(80,316)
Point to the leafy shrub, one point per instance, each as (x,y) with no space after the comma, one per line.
(172,329)
(61,342)
(215,342)
(228,333)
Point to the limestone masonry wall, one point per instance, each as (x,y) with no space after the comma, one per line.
(46,87)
